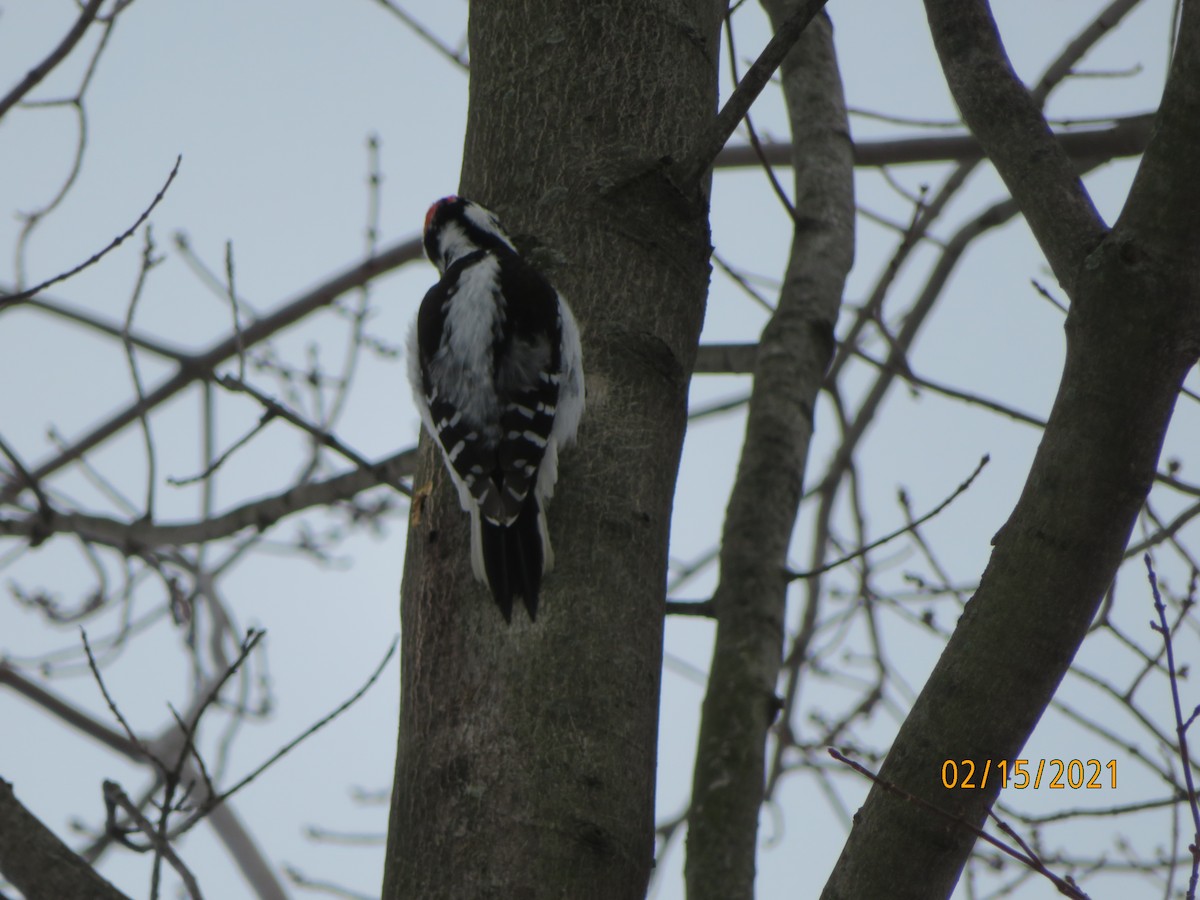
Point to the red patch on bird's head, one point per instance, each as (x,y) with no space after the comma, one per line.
(436,206)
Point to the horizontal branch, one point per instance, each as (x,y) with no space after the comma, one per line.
(88,319)
(201,366)
(140,536)
(725,359)
(1127,136)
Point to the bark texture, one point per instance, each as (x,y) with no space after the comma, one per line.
(793,354)
(526,757)
(1133,332)
(40,865)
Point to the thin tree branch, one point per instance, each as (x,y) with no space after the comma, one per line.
(223,819)
(456,57)
(115,798)
(874,545)
(1127,136)
(38,863)
(12,299)
(34,76)
(275,408)
(751,85)
(139,536)
(290,745)
(200,366)
(1065,887)
(83,317)
(1181,727)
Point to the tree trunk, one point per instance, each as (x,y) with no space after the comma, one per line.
(1133,332)
(526,758)
(793,354)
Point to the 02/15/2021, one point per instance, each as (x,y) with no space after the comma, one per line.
(1076,774)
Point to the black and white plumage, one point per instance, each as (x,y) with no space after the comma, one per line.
(497,372)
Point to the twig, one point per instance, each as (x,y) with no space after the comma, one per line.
(149,261)
(251,640)
(1044,291)
(90,320)
(45,510)
(34,76)
(323,437)
(112,705)
(862,551)
(748,89)
(743,282)
(1127,136)
(115,797)
(116,242)
(263,421)
(1064,886)
(907,374)
(290,745)
(751,133)
(425,34)
(239,344)
(1181,726)
(199,366)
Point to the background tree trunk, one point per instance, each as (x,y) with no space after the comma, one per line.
(526,757)
(793,355)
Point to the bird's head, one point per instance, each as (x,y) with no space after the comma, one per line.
(456,227)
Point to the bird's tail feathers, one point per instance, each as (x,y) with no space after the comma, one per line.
(513,557)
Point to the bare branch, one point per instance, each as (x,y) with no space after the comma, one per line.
(329,440)
(290,745)
(756,78)
(1067,888)
(38,863)
(200,366)
(793,354)
(12,299)
(138,536)
(455,56)
(115,798)
(887,538)
(34,76)
(143,751)
(64,310)
(1078,48)
(1008,122)
(1181,727)
(1127,136)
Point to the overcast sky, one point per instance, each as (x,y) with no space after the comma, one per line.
(271,108)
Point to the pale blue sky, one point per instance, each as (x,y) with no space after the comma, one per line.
(271,107)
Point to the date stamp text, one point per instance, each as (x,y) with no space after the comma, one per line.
(1055,774)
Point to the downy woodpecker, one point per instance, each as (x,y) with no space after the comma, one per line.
(497,373)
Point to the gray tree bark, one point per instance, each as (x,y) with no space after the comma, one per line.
(792,356)
(1133,332)
(38,863)
(526,757)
